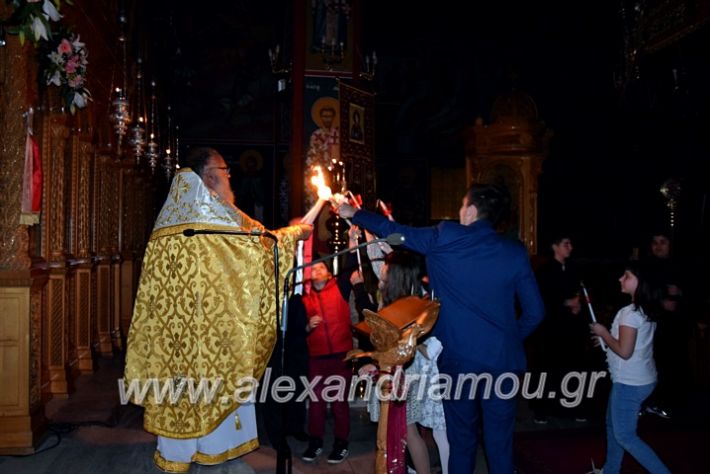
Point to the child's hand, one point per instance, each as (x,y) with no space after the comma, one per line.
(367,370)
(356,277)
(598,329)
(314,322)
(422,349)
(354,232)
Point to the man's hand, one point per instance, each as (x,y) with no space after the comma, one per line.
(346,210)
(306,230)
(574,305)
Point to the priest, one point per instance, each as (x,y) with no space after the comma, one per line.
(204,317)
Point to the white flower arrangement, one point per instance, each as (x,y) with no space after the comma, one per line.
(66,69)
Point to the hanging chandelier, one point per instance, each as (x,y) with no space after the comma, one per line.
(152,153)
(168,163)
(137,137)
(177,147)
(121,116)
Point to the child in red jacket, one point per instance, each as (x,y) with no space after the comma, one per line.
(329,340)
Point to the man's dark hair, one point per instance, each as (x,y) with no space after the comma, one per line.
(491,200)
(658,232)
(558,237)
(198,157)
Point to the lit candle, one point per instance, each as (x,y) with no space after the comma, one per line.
(324,194)
(385,210)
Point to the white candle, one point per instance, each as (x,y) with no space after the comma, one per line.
(311,215)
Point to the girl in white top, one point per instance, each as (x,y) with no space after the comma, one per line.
(632,369)
(400,276)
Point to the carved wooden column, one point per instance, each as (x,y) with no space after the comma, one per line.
(115,225)
(81,297)
(71,184)
(130,221)
(53,148)
(22,419)
(104,199)
(510,151)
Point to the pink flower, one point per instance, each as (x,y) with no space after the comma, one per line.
(72,64)
(76,81)
(64,47)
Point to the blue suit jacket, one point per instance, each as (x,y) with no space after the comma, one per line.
(477,275)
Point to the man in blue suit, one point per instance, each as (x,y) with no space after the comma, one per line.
(479,276)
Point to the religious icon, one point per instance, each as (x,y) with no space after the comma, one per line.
(357,124)
(324,144)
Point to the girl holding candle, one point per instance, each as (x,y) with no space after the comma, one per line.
(632,369)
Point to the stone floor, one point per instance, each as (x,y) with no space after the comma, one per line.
(91,432)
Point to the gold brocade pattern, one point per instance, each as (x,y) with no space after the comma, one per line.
(204,459)
(205,310)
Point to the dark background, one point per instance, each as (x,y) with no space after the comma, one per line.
(617,137)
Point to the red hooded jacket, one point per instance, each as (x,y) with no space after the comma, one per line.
(333,335)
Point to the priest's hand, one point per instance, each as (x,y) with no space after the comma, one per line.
(346,211)
(306,230)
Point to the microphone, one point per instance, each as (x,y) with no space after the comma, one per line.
(394,239)
(250,233)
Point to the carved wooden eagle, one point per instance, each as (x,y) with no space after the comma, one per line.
(395,328)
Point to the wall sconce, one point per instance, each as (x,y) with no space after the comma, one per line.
(282,72)
(671,190)
(370,66)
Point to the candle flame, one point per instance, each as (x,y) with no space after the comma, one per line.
(318,180)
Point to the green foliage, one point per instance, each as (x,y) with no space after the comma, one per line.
(32,19)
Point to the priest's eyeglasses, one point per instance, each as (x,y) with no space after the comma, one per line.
(225,168)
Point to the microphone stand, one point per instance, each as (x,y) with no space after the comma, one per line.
(283,451)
